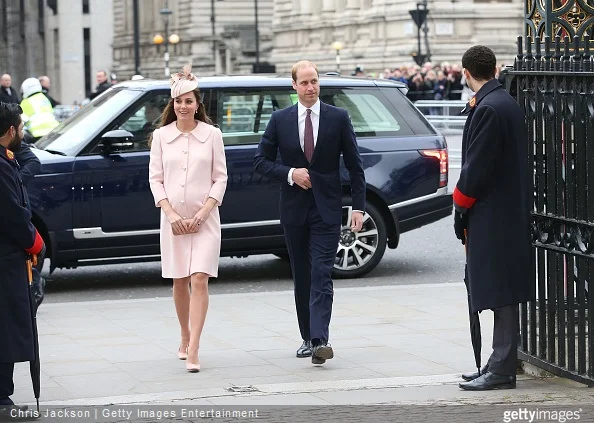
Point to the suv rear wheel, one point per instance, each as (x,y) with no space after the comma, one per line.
(360,252)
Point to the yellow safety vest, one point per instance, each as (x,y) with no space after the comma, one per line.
(40,113)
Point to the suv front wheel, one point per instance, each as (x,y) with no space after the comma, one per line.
(359,252)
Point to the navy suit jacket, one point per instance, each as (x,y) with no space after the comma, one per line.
(335,136)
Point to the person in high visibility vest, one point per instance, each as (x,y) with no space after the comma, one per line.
(37,108)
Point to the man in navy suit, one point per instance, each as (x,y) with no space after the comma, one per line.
(310,137)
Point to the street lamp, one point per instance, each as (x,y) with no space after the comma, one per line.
(159,39)
(165,13)
(419,16)
(337,45)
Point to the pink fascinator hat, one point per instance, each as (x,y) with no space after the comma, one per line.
(183,82)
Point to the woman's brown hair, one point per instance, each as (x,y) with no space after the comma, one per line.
(168,114)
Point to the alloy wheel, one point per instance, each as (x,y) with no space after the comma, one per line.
(355,249)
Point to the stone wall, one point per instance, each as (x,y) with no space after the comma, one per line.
(234,36)
(380,34)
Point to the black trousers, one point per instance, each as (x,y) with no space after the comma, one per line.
(6,383)
(312,250)
(503,360)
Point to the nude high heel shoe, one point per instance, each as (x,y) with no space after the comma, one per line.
(191,367)
(182,354)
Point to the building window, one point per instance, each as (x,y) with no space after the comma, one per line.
(40,18)
(56,81)
(4,21)
(85,7)
(22,18)
(53,4)
(87,54)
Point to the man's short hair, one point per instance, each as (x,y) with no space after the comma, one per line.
(480,62)
(10,115)
(300,65)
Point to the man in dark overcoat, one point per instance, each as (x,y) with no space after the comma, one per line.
(18,240)
(492,204)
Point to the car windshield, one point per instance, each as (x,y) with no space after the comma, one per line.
(72,135)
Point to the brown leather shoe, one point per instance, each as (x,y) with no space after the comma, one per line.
(321,353)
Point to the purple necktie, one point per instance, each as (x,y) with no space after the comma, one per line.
(308,137)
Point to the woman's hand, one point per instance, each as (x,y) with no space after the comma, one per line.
(178,225)
(199,219)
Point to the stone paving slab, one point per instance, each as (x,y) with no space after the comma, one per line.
(124,351)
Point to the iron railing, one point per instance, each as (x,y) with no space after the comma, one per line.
(555,87)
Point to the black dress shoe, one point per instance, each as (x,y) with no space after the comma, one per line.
(304,350)
(489,381)
(472,376)
(321,353)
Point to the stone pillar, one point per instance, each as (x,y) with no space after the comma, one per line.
(353,4)
(218,61)
(228,63)
(327,6)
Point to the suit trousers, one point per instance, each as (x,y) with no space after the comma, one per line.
(6,383)
(503,360)
(312,251)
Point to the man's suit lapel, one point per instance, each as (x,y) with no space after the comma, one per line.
(322,129)
(293,130)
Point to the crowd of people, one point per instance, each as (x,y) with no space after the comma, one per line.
(439,81)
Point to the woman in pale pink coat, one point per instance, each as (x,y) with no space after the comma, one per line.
(188,177)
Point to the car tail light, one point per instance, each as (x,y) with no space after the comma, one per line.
(442,156)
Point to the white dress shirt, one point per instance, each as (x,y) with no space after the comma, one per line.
(315,123)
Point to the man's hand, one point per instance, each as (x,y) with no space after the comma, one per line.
(301,178)
(178,225)
(460,225)
(356,221)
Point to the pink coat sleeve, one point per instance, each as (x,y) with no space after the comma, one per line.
(219,168)
(156,169)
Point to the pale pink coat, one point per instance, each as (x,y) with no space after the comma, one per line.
(187,169)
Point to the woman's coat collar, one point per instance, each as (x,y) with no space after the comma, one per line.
(202,132)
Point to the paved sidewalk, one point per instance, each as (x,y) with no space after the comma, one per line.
(398,344)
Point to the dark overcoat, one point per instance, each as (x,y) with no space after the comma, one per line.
(18,238)
(494,191)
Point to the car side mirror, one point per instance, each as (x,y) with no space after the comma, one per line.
(118,139)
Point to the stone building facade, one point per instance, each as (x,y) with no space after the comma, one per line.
(380,34)
(229,48)
(22,53)
(79,34)
(67,40)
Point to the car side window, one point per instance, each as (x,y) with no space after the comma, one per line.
(140,121)
(370,112)
(243,116)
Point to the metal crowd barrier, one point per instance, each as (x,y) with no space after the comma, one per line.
(64,111)
(443,114)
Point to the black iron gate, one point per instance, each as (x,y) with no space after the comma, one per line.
(554,84)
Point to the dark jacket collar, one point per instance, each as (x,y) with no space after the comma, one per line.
(6,154)
(489,86)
